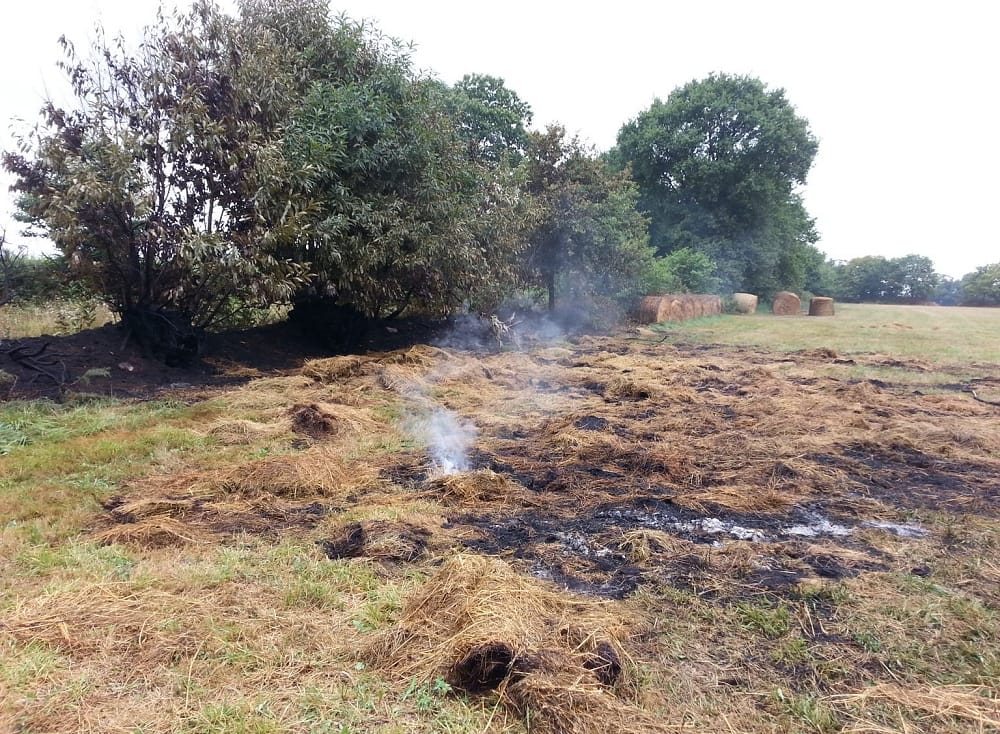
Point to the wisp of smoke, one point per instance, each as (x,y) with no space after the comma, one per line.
(449,440)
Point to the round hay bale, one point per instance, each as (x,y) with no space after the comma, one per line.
(676,310)
(821,306)
(745,302)
(688,304)
(786,304)
(653,309)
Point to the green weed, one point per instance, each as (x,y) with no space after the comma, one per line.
(773,622)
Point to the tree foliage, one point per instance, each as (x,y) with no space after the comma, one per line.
(909,279)
(386,204)
(982,286)
(718,165)
(491,117)
(146,184)
(683,271)
(276,156)
(590,240)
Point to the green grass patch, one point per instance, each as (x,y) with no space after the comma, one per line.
(941,334)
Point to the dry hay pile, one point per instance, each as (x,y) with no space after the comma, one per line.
(745,302)
(976,706)
(313,420)
(558,660)
(107,621)
(821,306)
(337,370)
(378,539)
(334,369)
(309,474)
(266,497)
(475,487)
(153,531)
(786,304)
(243,432)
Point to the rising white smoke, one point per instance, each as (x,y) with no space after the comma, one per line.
(449,440)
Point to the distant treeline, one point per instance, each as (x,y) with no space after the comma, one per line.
(909,279)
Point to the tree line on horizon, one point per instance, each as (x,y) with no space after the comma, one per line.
(282,155)
(910,279)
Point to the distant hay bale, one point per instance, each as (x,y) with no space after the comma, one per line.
(745,302)
(658,309)
(654,309)
(710,305)
(820,306)
(786,304)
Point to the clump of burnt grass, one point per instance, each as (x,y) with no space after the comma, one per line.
(561,662)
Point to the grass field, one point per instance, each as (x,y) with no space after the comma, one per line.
(59,317)
(741,524)
(940,335)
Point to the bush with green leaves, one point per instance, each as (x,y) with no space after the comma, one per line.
(982,286)
(682,271)
(589,242)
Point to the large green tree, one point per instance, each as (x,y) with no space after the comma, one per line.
(386,205)
(719,166)
(388,184)
(146,182)
(278,155)
(982,286)
(491,117)
(589,240)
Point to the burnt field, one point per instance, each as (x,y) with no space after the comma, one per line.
(613,534)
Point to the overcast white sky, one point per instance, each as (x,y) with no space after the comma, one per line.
(902,95)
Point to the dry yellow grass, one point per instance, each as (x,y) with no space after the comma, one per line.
(203,598)
(556,659)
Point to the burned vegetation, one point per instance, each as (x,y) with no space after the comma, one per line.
(604,482)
